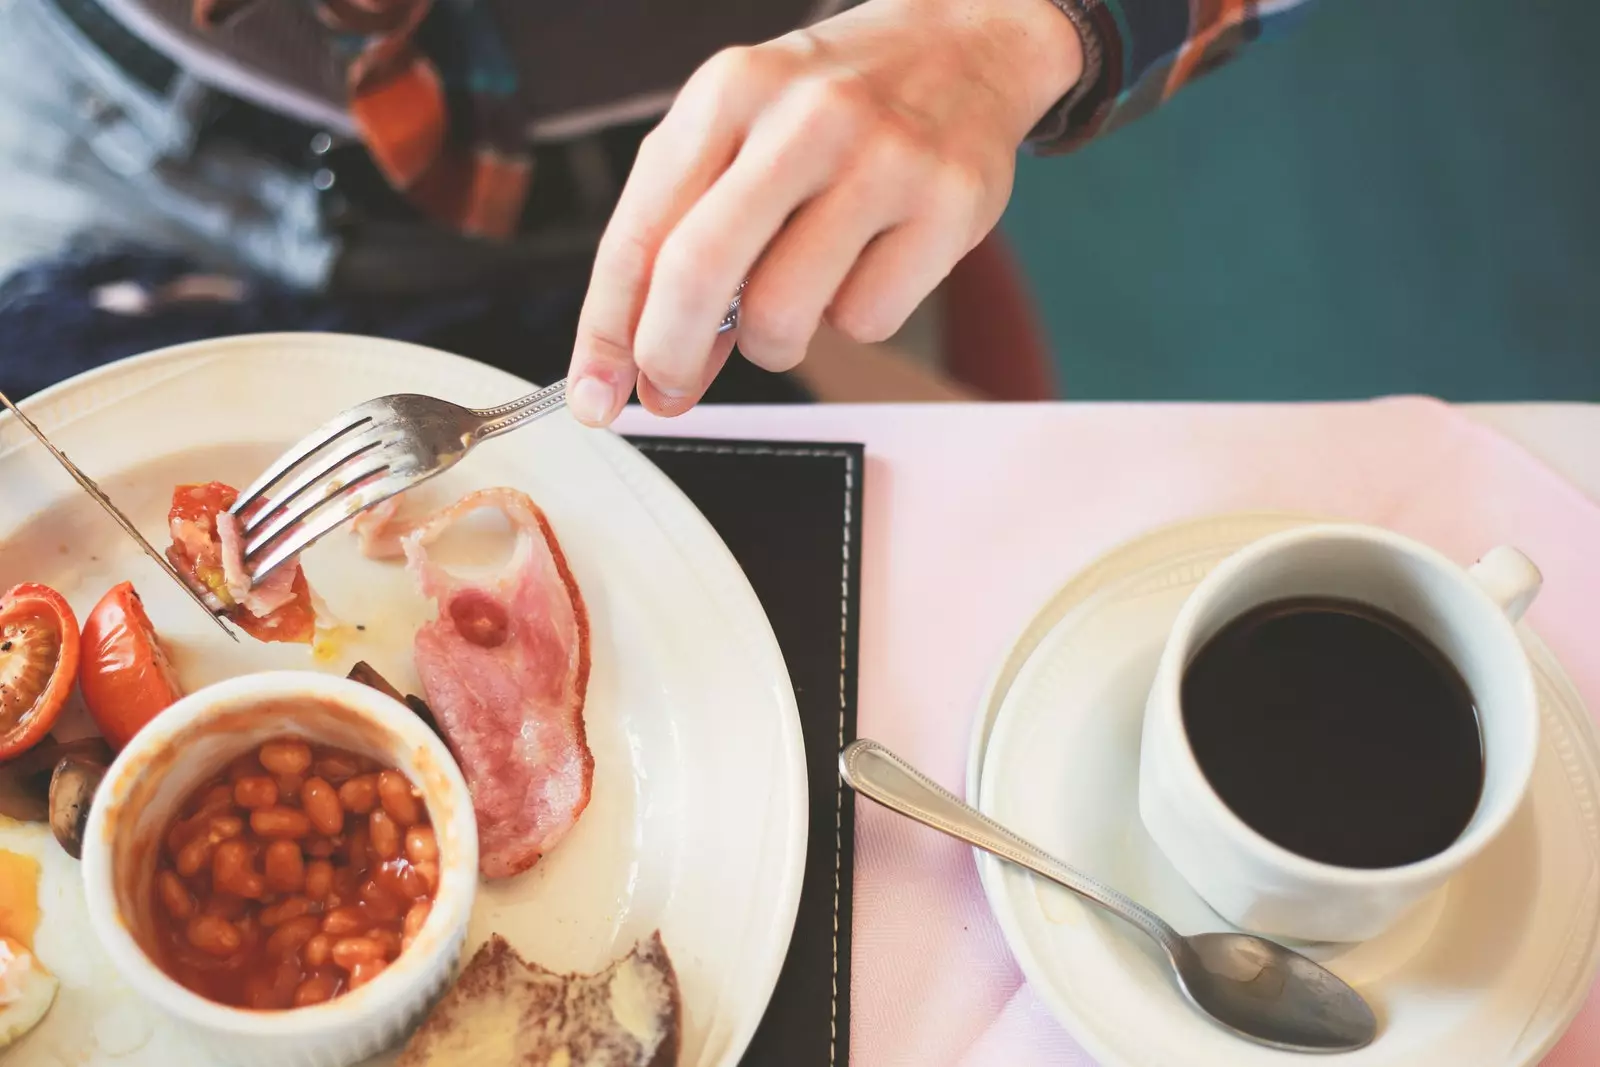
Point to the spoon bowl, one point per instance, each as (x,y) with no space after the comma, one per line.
(1272,995)
(1256,988)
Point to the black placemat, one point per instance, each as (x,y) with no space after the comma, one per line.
(791,514)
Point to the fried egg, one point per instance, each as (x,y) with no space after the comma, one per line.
(27,989)
(72,1008)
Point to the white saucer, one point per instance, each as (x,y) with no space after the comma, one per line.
(1489,971)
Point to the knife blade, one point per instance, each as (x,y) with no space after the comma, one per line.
(111,509)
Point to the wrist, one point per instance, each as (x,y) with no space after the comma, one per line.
(1059,61)
(1038,51)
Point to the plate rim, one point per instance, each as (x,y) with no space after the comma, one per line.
(1078,590)
(52,408)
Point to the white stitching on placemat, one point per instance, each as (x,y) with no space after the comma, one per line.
(844,634)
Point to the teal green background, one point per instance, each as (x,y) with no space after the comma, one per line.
(1391,197)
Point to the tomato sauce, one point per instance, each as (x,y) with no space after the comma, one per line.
(297,874)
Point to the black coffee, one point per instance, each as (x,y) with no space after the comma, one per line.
(1337,731)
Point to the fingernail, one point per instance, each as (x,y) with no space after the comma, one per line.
(592,401)
(664,392)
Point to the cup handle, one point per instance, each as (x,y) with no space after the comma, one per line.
(1510,579)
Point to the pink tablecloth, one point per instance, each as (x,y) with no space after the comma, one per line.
(974,514)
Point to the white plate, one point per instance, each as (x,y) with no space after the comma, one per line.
(1489,971)
(697,824)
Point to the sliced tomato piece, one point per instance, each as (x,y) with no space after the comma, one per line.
(197,553)
(295,621)
(123,672)
(196,550)
(38,664)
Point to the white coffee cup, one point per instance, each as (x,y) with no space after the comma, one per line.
(1469,614)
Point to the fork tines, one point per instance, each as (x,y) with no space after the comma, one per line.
(333,473)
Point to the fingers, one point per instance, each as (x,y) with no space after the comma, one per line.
(901,267)
(793,152)
(790,167)
(890,279)
(658,403)
(804,267)
(675,166)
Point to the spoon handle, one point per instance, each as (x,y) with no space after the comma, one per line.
(876,773)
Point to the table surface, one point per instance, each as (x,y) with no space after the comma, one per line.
(998,502)
(1565,436)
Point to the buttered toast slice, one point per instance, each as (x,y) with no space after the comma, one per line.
(506,1012)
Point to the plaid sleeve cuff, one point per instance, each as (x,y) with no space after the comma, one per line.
(1144,51)
(1059,120)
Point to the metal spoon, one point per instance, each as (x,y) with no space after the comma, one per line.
(1254,987)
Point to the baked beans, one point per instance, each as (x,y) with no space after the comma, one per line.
(384,835)
(255,791)
(280,821)
(286,867)
(295,875)
(394,791)
(317,951)
(336,767)
(344,921)
(365,971)
(287,910)
(420,845)
(315,990)
(322,806)
(175,896)
(285,757)
(360,794)
(322,847)
(319,879)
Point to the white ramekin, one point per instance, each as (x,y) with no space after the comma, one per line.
(193,740)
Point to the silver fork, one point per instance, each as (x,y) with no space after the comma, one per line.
(369,453)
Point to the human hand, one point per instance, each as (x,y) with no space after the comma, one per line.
(843,169)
